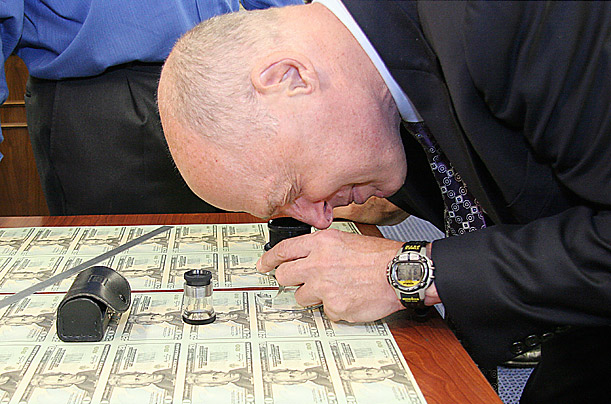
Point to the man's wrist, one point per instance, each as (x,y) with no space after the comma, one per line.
(429,249)
(431,297)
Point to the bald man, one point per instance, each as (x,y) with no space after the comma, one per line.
(312,107)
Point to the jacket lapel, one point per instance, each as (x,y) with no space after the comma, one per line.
(399,41)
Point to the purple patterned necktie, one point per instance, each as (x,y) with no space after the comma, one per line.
(462,211)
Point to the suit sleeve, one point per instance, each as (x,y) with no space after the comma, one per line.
(544,69)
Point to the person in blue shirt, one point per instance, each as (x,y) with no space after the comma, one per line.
(91,98)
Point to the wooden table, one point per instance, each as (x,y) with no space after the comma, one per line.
(443,369)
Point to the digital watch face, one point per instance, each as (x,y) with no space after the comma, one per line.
(410,273)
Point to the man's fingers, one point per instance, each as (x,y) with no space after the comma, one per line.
(290,273)
(286,250)
(305,297)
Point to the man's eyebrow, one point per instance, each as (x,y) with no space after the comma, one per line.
(271,209)
(276,200)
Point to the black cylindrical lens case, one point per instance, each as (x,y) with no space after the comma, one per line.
(96,293)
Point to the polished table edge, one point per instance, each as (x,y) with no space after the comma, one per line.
(434,355)
(128,219)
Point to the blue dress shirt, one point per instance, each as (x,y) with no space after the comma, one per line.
(60,39)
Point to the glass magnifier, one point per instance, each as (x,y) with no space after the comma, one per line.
(283,299)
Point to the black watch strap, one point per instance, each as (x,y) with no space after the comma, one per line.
(411,301)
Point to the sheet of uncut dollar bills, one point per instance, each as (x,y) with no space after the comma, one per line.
(250,354)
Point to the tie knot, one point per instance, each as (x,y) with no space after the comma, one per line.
(421,132)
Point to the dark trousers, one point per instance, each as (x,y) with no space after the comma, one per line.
(99,146)
(575,368)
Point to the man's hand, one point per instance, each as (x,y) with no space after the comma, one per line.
(344,271)
(376,210)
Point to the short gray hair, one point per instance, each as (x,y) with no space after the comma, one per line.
(206,84)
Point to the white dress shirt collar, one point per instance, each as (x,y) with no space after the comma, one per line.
(406,108)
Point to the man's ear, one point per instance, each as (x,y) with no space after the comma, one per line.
(292,74)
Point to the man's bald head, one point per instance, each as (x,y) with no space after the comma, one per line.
(280,112)
(205,86)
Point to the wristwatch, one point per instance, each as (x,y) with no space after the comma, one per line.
(410,272)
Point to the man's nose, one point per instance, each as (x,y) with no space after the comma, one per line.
(317,214)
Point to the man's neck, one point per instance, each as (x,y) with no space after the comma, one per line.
(343,54)
(407,110)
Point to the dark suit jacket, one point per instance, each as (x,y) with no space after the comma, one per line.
(518,95)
